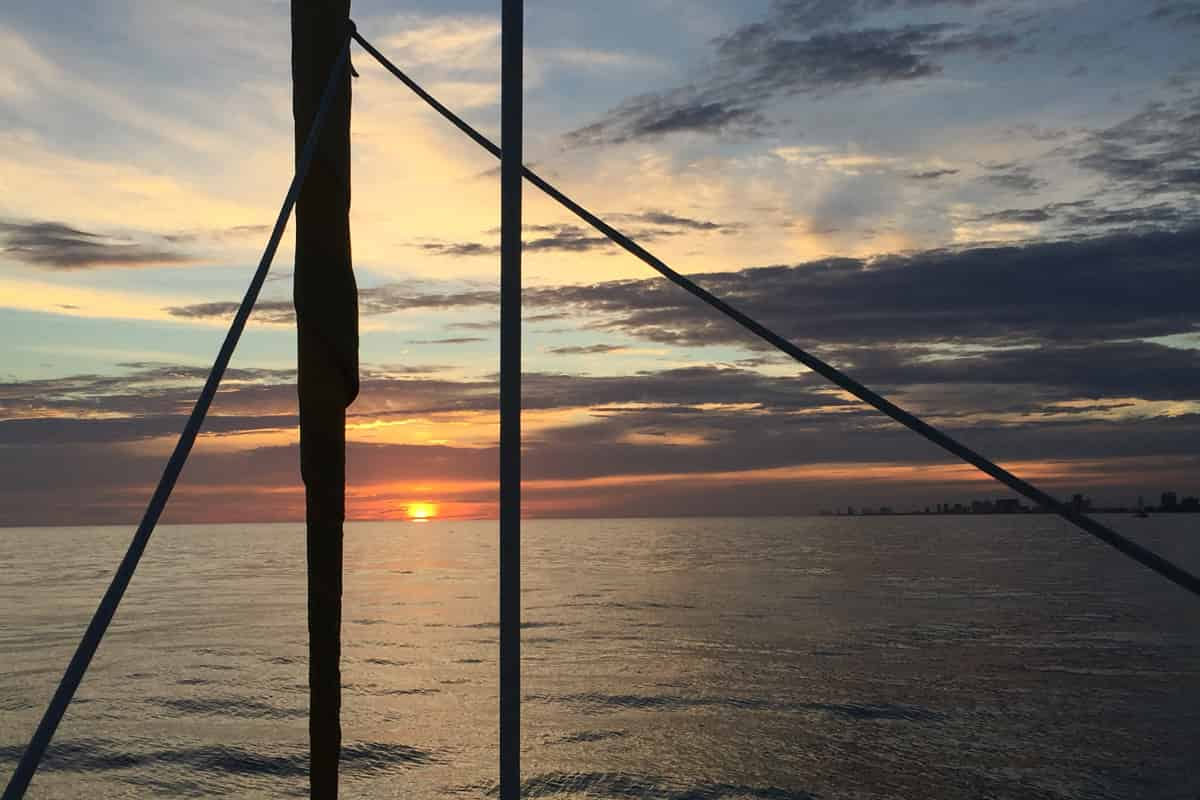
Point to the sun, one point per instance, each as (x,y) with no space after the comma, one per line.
(421,512)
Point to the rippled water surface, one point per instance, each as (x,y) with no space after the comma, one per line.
(901,657)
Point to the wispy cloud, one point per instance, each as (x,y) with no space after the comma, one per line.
(1156,151)
(55,245)
(585,349)
(781,56)
(1013,177)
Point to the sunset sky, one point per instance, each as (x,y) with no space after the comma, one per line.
(986,209)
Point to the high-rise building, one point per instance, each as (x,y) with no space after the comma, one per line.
(1170,501)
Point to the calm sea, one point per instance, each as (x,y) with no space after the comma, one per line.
(781,659)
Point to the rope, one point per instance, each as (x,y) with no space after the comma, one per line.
(19,782)
(1148,558)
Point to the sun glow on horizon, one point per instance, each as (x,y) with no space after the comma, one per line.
(421,512)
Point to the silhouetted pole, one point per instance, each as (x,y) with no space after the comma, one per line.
(327,324)
(511,46)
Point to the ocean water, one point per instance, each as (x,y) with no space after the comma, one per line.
(690,659)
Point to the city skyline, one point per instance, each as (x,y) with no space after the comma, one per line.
(1169,502)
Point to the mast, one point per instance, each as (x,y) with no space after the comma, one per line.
(327,361)
(511,43)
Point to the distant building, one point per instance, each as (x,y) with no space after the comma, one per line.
(1170,502)
(1008,505)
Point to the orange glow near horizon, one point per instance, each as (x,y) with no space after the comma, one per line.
(421,512)
(609,495)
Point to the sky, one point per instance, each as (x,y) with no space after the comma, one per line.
(985,209)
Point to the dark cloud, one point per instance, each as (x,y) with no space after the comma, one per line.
(585,349)
(41,431)
(1128,284)
(1053,371)
(800,48)
(1082,215)
(491,324)
(58,246)
(1014,177)
(401,297)
(452,340)
(460,249)
(1016,215)
(372,301)
(814,14)
(683,441)
(274,312)
(568,238)
(1156,151)
(664,219)
(650,116)
(688,421)
(149,392)
(933,174)
(1159,215)
(668,401)
(1177,12)
(1124,285)
(546,238)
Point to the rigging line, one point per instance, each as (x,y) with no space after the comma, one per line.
(1128,547)
(19,782)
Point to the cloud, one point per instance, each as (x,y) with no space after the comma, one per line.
(1016,215)
(568,238)
(666,221)
(1178,12)
(782,56)
(586,349)
(814,14)
(653,439)
(1122,285)
(932,174)
(1013,177)
(650,116)
(460,249)
(1085,215)
(273,312)
(1156,151)
(1135,283)
(452,340)
(486,325)
(1145,370)
(55,245)
(544,238)
(372,301)
(233,232)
